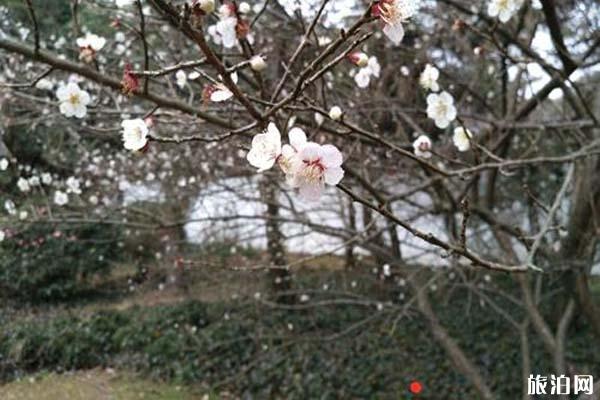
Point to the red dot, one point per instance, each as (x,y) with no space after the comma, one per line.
(416,387)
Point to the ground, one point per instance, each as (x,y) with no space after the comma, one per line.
(94,384)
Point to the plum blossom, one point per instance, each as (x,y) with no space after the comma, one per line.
(394,13)
(10,207)
(257,63)
(335,113)
(462,138)
(504,9)
(314,166)
(226,28)
(89,46)
(2,235)
(60,198)
(363,77)
(73,185)
(181,79)
(34,181)
(46,178)
(440,108)
(266,148)
(244,8)
(23,185)
(319,119)
(422,146)
(219,92)
(429,77)
(73,100)
(4,164)
(297,139)
(124,3)
(135,134)
(92,41)
(359,59)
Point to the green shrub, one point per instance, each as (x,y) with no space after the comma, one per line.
(47,262)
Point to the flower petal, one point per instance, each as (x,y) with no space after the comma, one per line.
(333,176)
(297,138)
(394,32)
(331,157)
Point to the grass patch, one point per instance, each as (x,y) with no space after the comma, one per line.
(94,384)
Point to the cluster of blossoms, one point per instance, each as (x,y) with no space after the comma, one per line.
(36,180)
(231,25)
(369,68)
(504,9)
(440,108)
(394,14)
(307,166)
(89,46)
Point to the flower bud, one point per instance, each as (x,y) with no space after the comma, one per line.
(257,63)
(359,59)
(244,8)
(207,6)
(335,113)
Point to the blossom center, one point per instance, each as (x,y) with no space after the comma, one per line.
(313,171)
(441,108)
(74,99)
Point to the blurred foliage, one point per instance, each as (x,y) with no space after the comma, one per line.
(55,262)
(271,353)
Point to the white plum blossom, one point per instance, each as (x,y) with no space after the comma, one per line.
(319,119)
(429,77)
(180,79)
(2,235)
(4,164)
(504,9)
(226,27)
(422,146)
(73,185)
(335,113)
(10,207)
(219,92)
(92,41)
(257,63)
(394,13)
(60,198)
(124,3)
(34,181)
(46,178)
(266,148)
(314,166)
(23,185)
(244,8)
(462,139)
(135,134)
(23,215)
(297,139)
(73,100)
(363,77)
(44,84)
(440,108)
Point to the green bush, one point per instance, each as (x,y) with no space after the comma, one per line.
(47,262)
(255,354)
